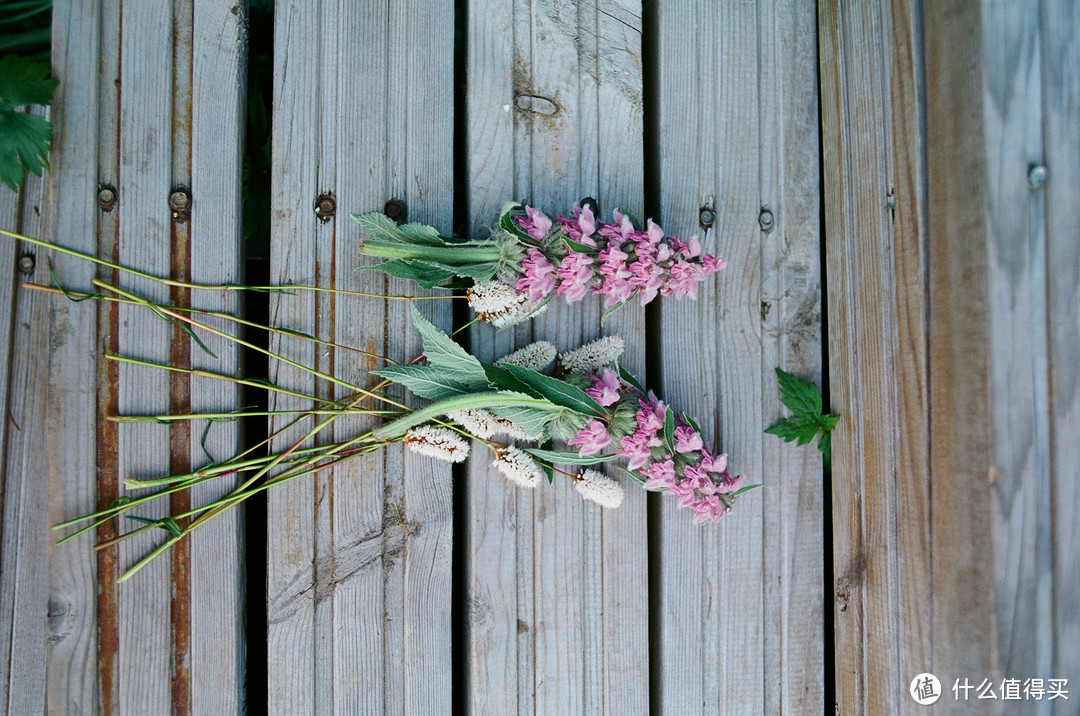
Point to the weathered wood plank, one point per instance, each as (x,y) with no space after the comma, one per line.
(874,153)
(1017,295)
(741,600)
(52,400)
(217,116)
(558,608)
(359,564)
(1060,46)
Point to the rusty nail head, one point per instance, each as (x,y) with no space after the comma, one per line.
(1036,175)
(766,219)
(106,198)
(592,204)
(26,263)
(325,206)
(706,217)
(395,209)
(179,200)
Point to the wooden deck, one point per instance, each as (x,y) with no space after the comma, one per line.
(914,264)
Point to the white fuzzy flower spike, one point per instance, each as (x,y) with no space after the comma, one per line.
(535,356)
(477,421)
(500,304)
(518,466)
(439,443)
(591,356)
(598,487)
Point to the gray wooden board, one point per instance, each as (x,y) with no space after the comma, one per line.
(359,560)
(558,600)
(170,638)
(1060,47)
(875,153)
(740,603)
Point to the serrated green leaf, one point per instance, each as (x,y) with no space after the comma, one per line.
(380,227)
(24,82)
(477,272)
(24,146)
(801,397)
(557,391)
(531,420)
(421,234)
(569,458)
(427,274)
(424,380)
(442,352)
(828,422)
(669,429)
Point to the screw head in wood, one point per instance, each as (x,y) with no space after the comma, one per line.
(766,219)
(1036,175)
(395,210)
(26,263)
(325,206)
(179,200)
(106,198)
(706,217)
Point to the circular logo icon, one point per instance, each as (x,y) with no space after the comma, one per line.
(925,689)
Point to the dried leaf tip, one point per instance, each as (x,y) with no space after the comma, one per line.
(518,466)
(439,443)
(599,488)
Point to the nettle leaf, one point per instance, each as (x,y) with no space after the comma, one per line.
(424,380)
(547,445)
(441,352)
(801,397)
(421,234)
(557,391)
(427,274)
(569,458)
(477,272)
(24,146)
(503,380)
(23,81)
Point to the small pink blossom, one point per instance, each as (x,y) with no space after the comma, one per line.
(535,223)
(605,389)
(661,475)
(539,279)
(712,264)
(638,447)
(592,438)
(687,439)
(716,464)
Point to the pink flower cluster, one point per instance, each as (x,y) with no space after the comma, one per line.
(683,466)
(618,260)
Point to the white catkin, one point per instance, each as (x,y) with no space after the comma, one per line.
(591,356)
(518,467)
(439,443)
(512,430)
(477,421)
(598,487)
(535,356)
(499,303)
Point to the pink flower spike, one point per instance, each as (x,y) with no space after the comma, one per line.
(733,484)
(605,388)
(592,438)
(716,464)
(693,248)
(541,224)
(713,264)
(654,232)
(587,222)
(687,439)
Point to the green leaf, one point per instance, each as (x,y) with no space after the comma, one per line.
(506,218)
(503,380)
(477,272)
(569,458)
(629,378)
(380,227)
(693,423)
(421,234)
(547,445)
(580,248)
(828,422)
(795,428)
(427,274)
(669,429)
(557,391)
(424,380)
(632,475)
(801,397)
(441,352)
(745,488)
(24,82)
(24,146)
(531,420)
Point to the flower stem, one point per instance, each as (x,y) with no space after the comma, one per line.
(448,255)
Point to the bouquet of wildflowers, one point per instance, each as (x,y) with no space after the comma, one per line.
(530,258)
(598,410)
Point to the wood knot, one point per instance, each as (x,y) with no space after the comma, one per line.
(536,104)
